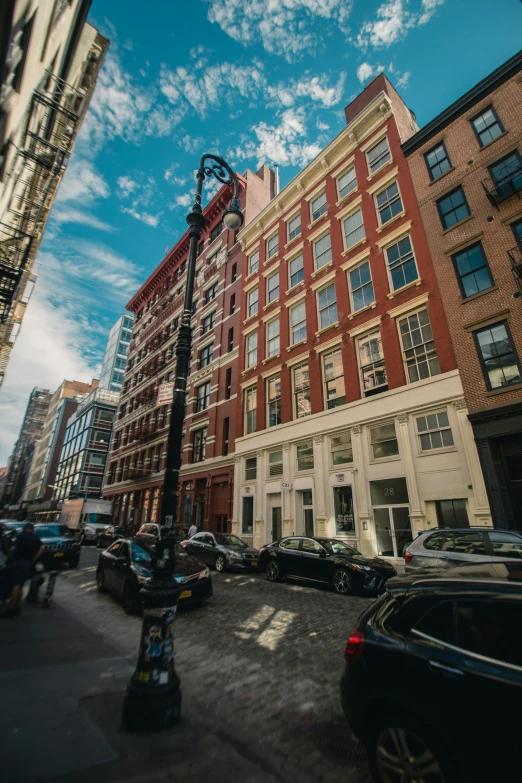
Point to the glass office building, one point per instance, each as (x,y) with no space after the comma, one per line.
(115,358)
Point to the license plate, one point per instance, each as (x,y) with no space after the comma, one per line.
(58,554)
(253,563)
(186,594)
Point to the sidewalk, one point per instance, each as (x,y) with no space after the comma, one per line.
(61,691)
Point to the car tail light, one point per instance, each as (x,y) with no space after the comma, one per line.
(354,647)
(408,557)
(262,550)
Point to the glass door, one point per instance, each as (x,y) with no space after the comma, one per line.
(308,513)
(276,523)
(392,529)
(401,528)
(383,532)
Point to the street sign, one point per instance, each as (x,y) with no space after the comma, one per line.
(286,485)
(169,520)
(165,392)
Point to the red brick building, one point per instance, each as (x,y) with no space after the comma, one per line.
(136,465)
(349,416)
(466,167)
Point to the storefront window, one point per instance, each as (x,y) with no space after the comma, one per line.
(187,511)
(344,517)
(247,521)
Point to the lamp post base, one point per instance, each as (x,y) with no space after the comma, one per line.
(151,710)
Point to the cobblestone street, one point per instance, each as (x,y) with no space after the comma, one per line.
(263,660)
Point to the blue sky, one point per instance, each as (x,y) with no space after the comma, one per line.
(255,80)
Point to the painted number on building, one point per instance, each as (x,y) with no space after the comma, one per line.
(165,392)
(285,485)
(388,491)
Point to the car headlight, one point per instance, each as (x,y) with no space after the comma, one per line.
(142,579)
(361,567)
(204,574)
(88,530)
(235,555)
(180,580)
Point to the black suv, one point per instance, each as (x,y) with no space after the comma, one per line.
(433,676)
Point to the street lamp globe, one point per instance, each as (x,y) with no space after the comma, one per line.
(232,216)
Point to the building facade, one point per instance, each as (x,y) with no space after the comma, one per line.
(466,167)
(115,359)
(49,62)
(351,417)
(83,456)
(137,461)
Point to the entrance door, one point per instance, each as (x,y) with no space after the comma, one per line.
(511,456)
(276,523)
(392,529)
(308,513)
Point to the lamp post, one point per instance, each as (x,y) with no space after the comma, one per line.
(153,698)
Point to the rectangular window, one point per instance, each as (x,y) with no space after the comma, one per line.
(384,441)
(418,347)
(506,175)
(205,355)
(208,323)
(199,250)
(294,227)
(250,469)
(273,386)
(318,207)
(247,521)
(323,251)
(499,361)
(216,231)
(371,364)
(251,350)
(472,270)
(346,183)
(487,126)
(301,378)
(194,306)
(361,286)
(437,161)
(353,228)
(252,302)
(401,263)
(327,304)
(232,304)
(228,383)
(230,342)
(210,293)
(453,208)
(434,431)
(253,262)
(389,203)
(202,396)
(333,379)
(250,410)
(296,270)
(272,246)
(341,448)
(233,273)
(275,463)
(378,156)
(298,323)
(199,445)
(305,455)
(272,288)
(272,337)
(226,433)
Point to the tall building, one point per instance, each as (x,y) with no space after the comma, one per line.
(49,62)
(20,459)
(466,167)
(115,358)
(351,420)
(137,460)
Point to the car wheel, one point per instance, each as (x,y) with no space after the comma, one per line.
(131,602)
(400,749)
(221,563)
(273,571)
(74,561)
(342,582)
(100,581)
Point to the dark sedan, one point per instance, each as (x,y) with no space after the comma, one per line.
(126,566)
(222,550)
(61,544)
(327,560)
(112,533)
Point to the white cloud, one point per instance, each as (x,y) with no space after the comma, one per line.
(393,20)
(322,126)
(315,88)
(171,176)
(284,144)
(366,71)
(191,143)
(428,9)
(183,200)
(126,186)
(81,182)
(72,215)
(402,81)
(144,217)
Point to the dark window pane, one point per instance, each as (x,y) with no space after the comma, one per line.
(469,543)
(487,126)
(439,542)
(472,270)
(506,544)
(498,355)
(438,161)
(439,623)
(453,208)
(492,629)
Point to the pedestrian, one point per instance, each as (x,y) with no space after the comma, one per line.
(192,530)
(25,552)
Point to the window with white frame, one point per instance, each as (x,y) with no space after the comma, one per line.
(323,251)
(333,377)
(378,155)
(252,301)
(346,183)
(253,262)
(341,448)
(318,206)
(273,387)
(401,263)
(353,228)
(361,286)
(250,468)
(383,441)
(301,383)
(434,431)
(273,331)
(251,349)
(272,288)
(371,364)
(418,346)
(250,409)
(327,305)
(296,270)
(205,355)
(211,293)
(203,396)
(294,227)
(298,323)
(389,203)
(275,463)
(199,445)
(305,455)
(208,323)
(272,246)
(247,517)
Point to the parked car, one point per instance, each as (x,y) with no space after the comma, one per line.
(448,547)
(92,530)
(326,560)
(434,674)
(126,566)
(222,550)
(61,544)
(112,533)
(151,529)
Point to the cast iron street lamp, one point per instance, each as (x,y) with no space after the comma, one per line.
(153,699)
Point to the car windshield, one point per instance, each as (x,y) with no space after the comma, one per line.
(336,547)
(229,540)
(51,531)
(98,519)
(139,555)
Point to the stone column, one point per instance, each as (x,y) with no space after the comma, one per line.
(236,503)
(261,535)
(359,484)
(287,495)
(417,515)
(320,487)
(478,502)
